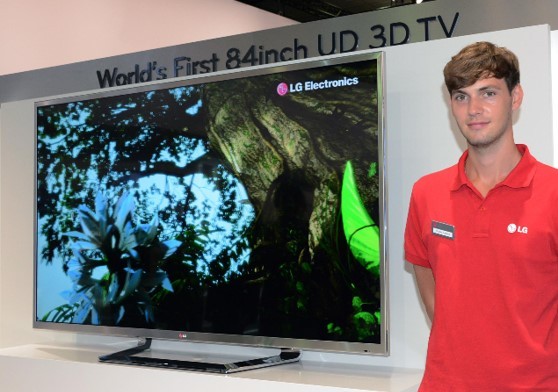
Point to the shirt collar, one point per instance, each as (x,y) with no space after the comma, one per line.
(520,177)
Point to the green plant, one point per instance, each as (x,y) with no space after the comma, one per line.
(361,232)
(116,266)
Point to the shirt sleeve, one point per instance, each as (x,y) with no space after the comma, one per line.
(416,251)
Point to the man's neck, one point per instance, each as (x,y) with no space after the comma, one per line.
(487,167)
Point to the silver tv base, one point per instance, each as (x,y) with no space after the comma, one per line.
(130,357)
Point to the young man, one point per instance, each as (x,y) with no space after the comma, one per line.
(483,238)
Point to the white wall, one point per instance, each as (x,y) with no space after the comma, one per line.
(421,138)
(38,34)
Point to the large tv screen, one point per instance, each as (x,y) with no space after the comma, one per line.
(245,206)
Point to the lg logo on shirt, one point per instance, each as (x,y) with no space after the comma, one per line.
(513,228)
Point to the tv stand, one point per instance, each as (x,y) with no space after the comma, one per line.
(130,357)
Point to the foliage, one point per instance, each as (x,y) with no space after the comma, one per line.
(362,233)
(150,145)
(113,144)
(127,257)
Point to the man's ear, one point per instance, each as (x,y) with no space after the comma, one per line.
(517,96)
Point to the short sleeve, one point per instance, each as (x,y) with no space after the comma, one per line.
(416,251)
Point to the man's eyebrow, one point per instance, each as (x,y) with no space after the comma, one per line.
(483,88)
(458,91)
(489,87)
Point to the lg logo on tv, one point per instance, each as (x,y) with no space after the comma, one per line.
(513,228)
(284,88)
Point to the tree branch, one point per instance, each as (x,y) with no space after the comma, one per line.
(205,164)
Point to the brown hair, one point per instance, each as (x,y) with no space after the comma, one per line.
(479,61)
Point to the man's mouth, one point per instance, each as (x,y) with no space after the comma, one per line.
(476,125)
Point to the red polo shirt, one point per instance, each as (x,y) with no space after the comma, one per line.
(495,262)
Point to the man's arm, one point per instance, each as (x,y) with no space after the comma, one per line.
(426,286)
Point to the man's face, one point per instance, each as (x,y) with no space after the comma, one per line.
(483,111)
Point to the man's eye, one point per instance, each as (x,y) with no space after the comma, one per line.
(459,97)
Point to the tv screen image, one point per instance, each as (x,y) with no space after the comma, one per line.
(242,207)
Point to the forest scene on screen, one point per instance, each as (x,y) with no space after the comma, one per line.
(223,207)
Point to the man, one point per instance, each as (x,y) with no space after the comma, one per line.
(483,238)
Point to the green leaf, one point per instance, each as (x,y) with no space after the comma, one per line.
(86,245)
(113,288)
(133,279)
(101,210)
(373,169)
(378,316)
(89,225)
(167,285)
(127,237)
(361,232)
(170,247)
(77,234)
(357,303)
(152,232)
(365,317)
(123,209)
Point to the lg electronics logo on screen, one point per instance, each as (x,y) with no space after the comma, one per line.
(284,88)
(513,228)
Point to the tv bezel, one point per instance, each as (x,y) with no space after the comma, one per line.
(345,347)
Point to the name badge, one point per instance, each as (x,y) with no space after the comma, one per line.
(444,230)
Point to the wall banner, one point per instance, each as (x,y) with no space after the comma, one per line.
(439,19)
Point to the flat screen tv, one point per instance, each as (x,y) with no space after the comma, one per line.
(240,207)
